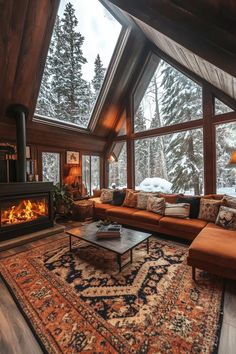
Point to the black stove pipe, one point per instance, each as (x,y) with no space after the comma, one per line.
(19,113)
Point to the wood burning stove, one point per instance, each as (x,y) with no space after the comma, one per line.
(24,208)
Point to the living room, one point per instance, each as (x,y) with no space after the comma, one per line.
(117,176)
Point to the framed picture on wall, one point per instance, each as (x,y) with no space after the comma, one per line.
(72,157)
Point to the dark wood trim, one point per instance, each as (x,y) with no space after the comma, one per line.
(208,142)
(194,77)
(198,123)
(204,38)
(224,118)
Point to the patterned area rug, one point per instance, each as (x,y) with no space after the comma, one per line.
(78,302)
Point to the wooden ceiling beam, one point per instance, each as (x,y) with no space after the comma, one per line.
(206,39)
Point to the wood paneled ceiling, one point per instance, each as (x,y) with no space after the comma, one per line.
(207,71)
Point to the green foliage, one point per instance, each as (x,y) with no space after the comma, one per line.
(62,200)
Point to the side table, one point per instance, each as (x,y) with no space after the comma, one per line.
(82,210)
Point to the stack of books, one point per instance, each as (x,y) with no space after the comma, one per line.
(109,231)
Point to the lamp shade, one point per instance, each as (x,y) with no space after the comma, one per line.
(74,171)
(232,161)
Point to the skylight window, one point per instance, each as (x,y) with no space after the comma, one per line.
(83,41)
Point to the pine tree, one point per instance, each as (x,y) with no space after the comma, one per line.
(57,71)
(181,102)
(99,73)
(44,103)
(74,87)
(141,149)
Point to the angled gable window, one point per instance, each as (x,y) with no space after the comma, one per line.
(221,108)
(170,98)
(82,45)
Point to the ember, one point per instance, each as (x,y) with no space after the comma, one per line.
(24,211)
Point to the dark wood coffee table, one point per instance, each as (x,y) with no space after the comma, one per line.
(126,243)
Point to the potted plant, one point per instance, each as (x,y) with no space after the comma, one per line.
(62,200)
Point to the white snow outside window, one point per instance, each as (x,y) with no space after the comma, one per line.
(51,167)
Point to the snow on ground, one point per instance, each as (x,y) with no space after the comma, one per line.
(227,190)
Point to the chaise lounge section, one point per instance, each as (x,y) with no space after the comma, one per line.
(213,248)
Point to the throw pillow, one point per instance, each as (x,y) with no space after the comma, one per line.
(227,218)
(229,201)
(180,210)
(209,209)
(106,195)
(118,198)
(170,198)
(143,198)
(213,196)
(194,205)
(97,193)
(156,205)
(130,198)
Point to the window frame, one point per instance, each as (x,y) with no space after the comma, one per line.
(90,155)
(207,122)
(110,73)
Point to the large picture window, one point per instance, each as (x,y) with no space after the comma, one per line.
(118,166)
(175,158)
(83,41)
(90,173)
(225,144)
(170,98)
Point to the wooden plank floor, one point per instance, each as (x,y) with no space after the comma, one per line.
(16,337)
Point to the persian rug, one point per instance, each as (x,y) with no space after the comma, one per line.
(78,302)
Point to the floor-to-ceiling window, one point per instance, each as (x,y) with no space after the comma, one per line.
(90,173)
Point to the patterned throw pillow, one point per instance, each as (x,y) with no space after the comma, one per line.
(229,201)
(180,210)
(106,195)
(156,205)
(227,218)
(143,198)
(130,198)
(209,209)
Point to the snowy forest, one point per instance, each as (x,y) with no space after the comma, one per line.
(64,93)
(172,98)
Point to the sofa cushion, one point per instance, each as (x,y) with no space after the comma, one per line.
(156,205)
(121,212)
(217,246)
(142,199)
(101,208)
(209,209)
(97,193)
(179,210)
(118,197)
(130,198)
(194,205)
(146,216)
(226,218)
(190,225)
(170,198)
(106,195)
(213,196)
(229,201)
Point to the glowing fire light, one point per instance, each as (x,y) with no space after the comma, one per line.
(23,212)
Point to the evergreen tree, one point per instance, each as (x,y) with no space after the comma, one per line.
(44,103)
(181,102)
(57,71)
(141,149)
(99,74)
(74,87)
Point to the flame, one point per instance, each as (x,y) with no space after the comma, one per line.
(25,211)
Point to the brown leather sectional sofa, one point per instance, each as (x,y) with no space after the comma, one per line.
(213,248)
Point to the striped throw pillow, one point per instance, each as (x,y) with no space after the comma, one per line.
(180,210)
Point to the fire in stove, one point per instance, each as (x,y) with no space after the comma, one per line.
(24,211)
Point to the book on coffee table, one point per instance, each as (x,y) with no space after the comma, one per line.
(109,231)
